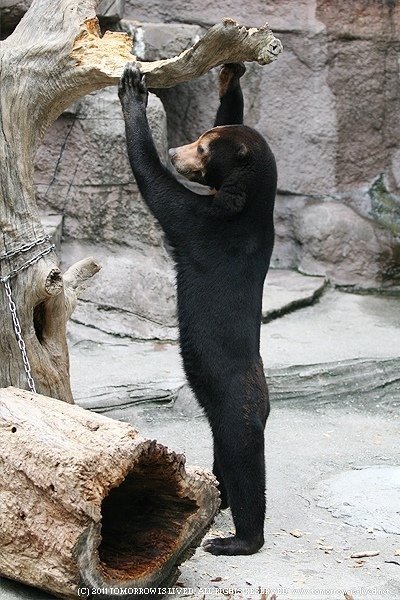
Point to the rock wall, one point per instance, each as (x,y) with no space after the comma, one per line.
(83,173)
(329,107)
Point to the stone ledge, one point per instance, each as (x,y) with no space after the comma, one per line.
(285,291)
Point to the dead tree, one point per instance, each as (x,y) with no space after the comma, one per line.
(87,502)
(56,55)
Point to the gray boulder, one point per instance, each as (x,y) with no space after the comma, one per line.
(133,295)
(349,249)
(111,10)
(155,41)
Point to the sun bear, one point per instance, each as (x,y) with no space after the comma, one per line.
(222,244)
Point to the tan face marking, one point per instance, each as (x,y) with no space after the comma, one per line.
(191,160)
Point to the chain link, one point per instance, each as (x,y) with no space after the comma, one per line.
(18,335)
(25,247)
(27,264)
(11,303)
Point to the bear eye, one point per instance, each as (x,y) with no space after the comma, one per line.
(200,150)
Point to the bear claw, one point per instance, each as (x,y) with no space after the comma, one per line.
(229,76)
(232,546)
(132,85)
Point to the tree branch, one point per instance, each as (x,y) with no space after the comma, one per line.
(225,42)
(75,280)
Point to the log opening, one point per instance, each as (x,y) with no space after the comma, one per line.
(142,520)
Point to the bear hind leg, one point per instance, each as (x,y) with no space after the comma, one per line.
(240,452)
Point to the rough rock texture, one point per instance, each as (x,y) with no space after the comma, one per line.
(385,207)
(364,78)
(84,173)
(287,249)
(341,348)
(11,12)
(53,228)
(329,238)
(334,125)
(285,291)
(345,247)
(284,13)
(111,10)
(134,295)
(153,41)
(344,381)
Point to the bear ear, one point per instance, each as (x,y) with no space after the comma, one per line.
(242,151)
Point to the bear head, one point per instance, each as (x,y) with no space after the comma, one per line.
(219,155)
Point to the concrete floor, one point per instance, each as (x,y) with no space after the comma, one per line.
(333,459)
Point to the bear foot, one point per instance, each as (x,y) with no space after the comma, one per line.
(232,546)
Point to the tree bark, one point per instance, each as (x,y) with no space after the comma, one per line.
(85,501)
(54,56)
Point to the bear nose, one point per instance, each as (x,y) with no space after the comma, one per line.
(172,153)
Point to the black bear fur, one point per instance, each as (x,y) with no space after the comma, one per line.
(222,244)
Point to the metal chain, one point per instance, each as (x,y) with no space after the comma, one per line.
(25,247)
(11,303)
(18,335)
(27,264)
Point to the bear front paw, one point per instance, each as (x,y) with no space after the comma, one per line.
(132,86)
(229,76)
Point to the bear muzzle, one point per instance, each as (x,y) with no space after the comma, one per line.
(187,162)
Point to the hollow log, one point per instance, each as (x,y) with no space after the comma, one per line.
(86,502)
(56,55)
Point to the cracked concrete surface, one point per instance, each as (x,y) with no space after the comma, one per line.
(286,291)
(332,451)
(371,499)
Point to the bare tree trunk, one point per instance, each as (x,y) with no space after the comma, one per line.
(87,502)
(54,56)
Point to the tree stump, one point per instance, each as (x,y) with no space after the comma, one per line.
(55,55)
(86,502)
